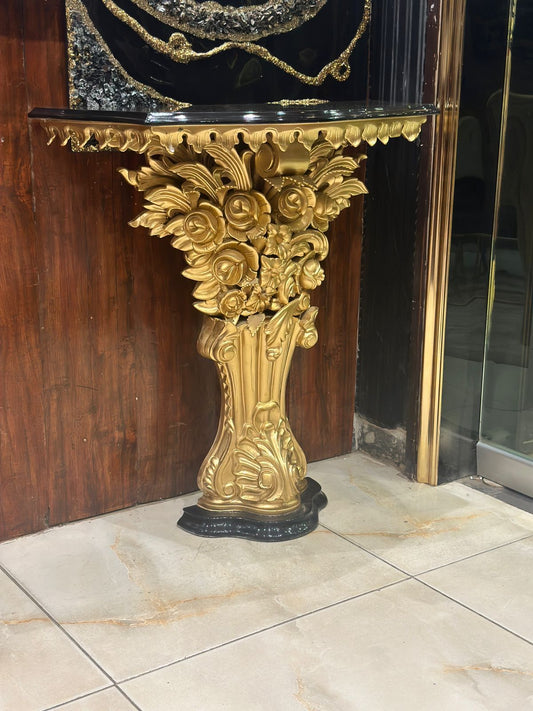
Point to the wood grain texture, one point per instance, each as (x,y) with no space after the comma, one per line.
(104,400)
(387,283)
(321,387)
(23,501)
(23,505)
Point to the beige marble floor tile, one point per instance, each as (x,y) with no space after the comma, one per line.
(137,592)
(107,700)
(414,526)
(498,584)
(403,648)
(39,665)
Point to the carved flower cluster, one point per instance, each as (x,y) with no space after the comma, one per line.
(253,243)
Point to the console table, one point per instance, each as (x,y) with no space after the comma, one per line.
(247,193)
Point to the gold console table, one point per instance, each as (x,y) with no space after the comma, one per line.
(247,193)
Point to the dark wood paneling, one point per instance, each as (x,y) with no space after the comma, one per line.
(321,393)
(105,402)
(177,390)
(23,500)
(86,332)
(387,282)
(387,285)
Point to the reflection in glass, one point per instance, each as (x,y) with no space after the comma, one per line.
(507,408)
(477,157)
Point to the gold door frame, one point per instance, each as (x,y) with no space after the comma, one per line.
(443,143)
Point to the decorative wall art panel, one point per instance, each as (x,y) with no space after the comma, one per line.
(127,55)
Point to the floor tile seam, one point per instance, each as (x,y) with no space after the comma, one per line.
(81,697)
(473,555)
(476,612)
(366,550)
(263,630)
(94,693)
(428,570)
(58,625)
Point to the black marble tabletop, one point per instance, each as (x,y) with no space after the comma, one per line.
(245,114)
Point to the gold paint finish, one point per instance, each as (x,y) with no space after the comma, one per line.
(251,224)
(255,464)
(249,207)
(439,238)
(98,135)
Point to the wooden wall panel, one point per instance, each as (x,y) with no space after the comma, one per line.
(23,501)
(105,402)
(321,392)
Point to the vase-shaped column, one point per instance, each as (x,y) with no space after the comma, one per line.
(255,463)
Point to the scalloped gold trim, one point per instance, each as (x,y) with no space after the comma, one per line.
(132,137)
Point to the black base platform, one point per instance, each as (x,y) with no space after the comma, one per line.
(258,527)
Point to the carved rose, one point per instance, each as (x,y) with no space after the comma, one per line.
(232,303)
(200,230)
(295,205)
(248,215)
(234,263)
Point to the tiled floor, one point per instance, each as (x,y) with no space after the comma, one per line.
(406,597)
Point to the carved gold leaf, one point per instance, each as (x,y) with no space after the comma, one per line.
(123,137)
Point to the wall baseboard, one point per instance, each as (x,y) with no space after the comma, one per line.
(386,445)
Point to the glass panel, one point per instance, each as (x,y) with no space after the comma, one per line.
(507,409)
(482,82)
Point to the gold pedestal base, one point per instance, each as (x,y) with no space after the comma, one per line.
(259,527)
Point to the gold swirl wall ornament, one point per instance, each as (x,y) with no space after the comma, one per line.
(179,49)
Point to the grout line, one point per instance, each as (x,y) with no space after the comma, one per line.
(362,548)
(63,704)
(474,555)
(255,633)
(125,695)
(428,570)
(64,631)
(476,612)
(87,696)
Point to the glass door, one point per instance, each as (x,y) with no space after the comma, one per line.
(505,449)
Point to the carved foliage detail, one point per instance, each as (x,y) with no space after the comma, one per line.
(252,230)
(267,467)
